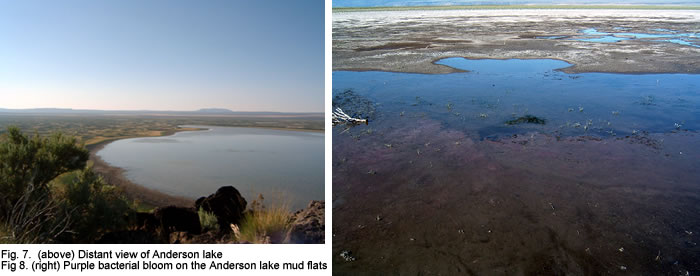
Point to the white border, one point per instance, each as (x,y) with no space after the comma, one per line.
(239,252)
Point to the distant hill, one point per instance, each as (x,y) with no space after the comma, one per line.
(215,110)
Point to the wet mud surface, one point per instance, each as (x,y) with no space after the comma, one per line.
(410,41)
(529,205)
(439,184)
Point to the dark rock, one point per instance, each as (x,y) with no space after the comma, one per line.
(308,225)
(173,218)
(143,221)
(198,203)
(227,205)
(129,237)
(527,119)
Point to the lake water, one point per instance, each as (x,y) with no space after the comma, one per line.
(500,90)
(439,181)
(279,164)
(659,35)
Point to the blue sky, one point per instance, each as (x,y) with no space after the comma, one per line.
(388,3)
(162,55)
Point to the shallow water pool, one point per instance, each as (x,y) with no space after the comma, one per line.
(517,168)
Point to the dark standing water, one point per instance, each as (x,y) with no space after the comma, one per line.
(276,163)
(439,183)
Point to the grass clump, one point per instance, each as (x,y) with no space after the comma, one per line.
(208,221)
(263,224)
(5,237)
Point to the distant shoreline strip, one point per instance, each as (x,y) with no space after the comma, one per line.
(519,7)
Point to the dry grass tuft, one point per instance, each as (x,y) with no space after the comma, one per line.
(263,224)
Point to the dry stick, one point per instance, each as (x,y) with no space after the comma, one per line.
(340,117)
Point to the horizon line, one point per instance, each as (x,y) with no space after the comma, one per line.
(214,109)
(684,6)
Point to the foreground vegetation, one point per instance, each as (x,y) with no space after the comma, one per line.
(38,206)
(519,7)
(49,194)
(263,224)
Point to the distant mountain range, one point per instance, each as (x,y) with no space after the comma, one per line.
(399,3)
(200,112)
(215,110)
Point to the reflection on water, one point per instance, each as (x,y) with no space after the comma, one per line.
(276,163)
(663,35)
(517,168)
(500,90)
(157,140)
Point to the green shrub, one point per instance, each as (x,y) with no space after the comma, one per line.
(95,207)
(34,161)
(78,202)
(208,221)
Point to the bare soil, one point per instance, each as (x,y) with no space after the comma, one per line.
(437,202)
(411,41)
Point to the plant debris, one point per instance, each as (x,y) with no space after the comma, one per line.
(340,117)
(353,106)
(347,256)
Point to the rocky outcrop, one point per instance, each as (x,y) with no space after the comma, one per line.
(173,218)
(226,204)
(143,221)
(129,237)
(308,225)
(181,225)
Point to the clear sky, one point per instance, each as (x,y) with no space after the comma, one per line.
(162,54)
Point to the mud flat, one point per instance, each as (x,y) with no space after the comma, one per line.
(528,205)
(410,41)
(519,165)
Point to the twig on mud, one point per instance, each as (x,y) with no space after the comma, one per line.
(340,117)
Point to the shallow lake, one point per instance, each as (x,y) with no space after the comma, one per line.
(282,165)
(517,168)
(495,91)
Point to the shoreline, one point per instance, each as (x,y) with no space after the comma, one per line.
(262,127)
(519,7)
(446,69)
(571,69)
(116,176)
